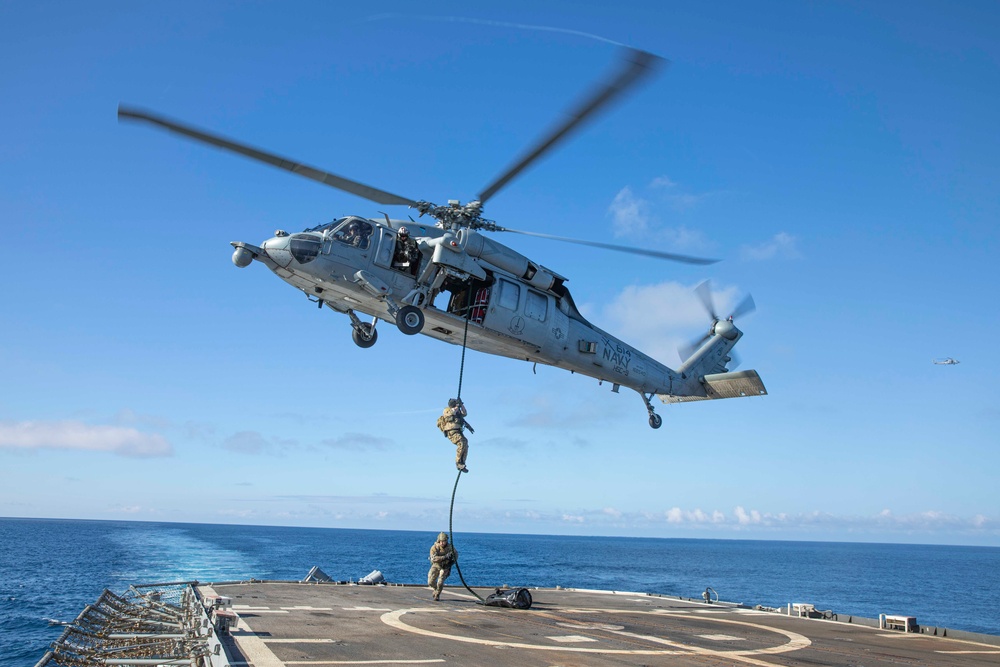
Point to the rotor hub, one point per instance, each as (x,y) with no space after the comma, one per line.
(455,215)
(725,328)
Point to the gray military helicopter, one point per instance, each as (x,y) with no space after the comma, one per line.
(947,361)
(448,281)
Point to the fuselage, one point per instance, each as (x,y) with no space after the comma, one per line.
(530,317)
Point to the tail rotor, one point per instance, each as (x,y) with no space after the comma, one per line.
(722,327)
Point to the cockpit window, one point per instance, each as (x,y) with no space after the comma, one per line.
(304,247)
(325,226)
(354,232)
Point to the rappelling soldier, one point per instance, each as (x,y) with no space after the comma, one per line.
(451,423)
(442,557)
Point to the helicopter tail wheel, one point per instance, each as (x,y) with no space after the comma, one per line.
(655,420)
(410,320)
(364,335)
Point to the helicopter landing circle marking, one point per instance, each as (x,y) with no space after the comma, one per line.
(795,640)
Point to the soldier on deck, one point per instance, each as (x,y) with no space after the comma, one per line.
(451,423)
(442,557)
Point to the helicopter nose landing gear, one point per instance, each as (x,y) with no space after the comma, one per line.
(410,320)
(364,334)
(655,420)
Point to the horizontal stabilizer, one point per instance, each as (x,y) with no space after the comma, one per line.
(724,385)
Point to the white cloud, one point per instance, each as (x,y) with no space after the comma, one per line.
(78,436)
(663,182)
(632,217)
(660,318)
(629,214)
(744,518)
(781,245)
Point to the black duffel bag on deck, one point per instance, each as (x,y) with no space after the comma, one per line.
(514,598)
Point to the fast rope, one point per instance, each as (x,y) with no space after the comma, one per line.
(465,340)
(452,538)
(451,509)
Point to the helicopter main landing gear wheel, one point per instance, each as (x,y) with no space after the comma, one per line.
(364,335)
(410,320)
(655,420)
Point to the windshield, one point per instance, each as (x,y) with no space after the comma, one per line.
(354,231)
(325,226)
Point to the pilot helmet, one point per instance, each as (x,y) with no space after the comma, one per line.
(354,227)
(403,232)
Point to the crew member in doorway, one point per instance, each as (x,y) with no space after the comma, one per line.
(442,557)
(406,256)
(451,423)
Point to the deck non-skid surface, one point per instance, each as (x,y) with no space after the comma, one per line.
(323,624)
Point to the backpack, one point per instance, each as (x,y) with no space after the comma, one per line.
(444,424)
(514,598)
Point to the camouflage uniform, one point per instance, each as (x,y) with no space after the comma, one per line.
(442,557)
(454,416)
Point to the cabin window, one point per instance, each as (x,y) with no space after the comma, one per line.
(536,305)
(510,295)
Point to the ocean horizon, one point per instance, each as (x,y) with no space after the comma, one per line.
(50,569)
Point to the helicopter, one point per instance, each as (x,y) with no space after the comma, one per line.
(947,361)
(445,279)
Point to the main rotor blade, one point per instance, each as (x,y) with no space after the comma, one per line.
(686,259)
(637,64)
(334,181)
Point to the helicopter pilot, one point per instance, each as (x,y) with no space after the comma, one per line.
(355,234)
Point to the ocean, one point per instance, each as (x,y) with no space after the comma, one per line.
(51,569)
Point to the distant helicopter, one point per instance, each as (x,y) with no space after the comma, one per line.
(947,361)
(446,280)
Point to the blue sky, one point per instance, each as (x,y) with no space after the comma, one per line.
(841,159)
